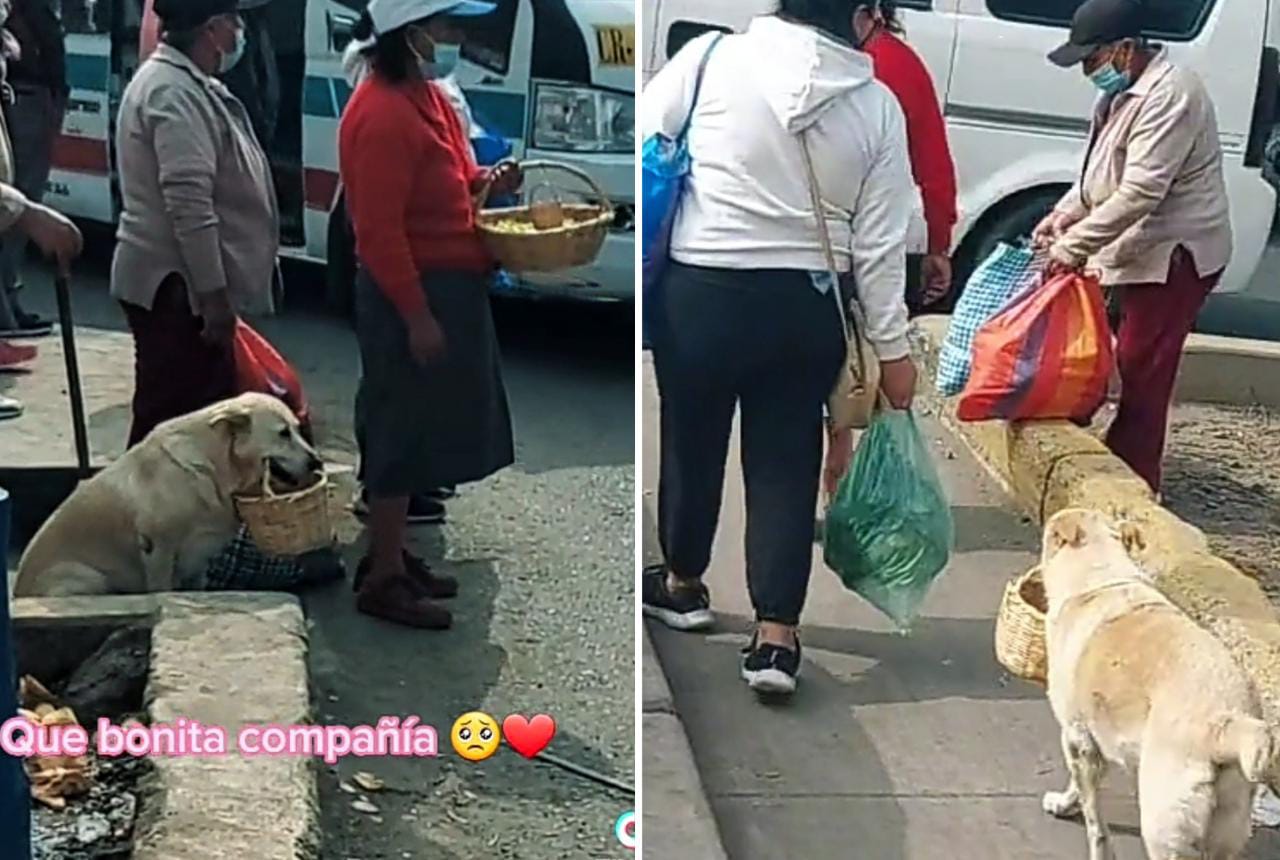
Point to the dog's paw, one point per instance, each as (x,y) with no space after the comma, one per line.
(1061,804)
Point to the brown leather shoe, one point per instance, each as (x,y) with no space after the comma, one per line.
(400,602)
(436,586)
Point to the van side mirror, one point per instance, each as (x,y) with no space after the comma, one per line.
(341,30)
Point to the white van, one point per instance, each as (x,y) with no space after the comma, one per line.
(528,65)
(1018,124)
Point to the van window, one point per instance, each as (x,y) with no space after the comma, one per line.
(489,37)
(1177,20)
(684,32)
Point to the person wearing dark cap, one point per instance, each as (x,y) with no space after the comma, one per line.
(1149,212)
(197,240)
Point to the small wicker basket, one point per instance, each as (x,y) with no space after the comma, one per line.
(1020,628)
(288,524)
(575,242)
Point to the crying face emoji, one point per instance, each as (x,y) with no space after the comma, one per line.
(476,736)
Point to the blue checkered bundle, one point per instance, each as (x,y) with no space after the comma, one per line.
(241,566)
(992,286)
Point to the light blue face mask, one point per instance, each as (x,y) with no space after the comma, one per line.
(1110,80)
(229,60)
(446,61)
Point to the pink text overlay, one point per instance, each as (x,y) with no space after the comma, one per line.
(391,736)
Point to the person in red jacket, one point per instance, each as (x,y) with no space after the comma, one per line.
(900,69)
(432,409)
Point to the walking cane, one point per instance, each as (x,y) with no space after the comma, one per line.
(78,426)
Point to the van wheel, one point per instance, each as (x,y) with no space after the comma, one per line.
(340,268)
(1014,219)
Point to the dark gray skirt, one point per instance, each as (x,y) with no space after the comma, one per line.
(425,427)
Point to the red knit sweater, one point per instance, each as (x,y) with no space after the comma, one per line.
(902,70)
(409,173)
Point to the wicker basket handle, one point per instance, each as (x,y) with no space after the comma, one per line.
(482,196)
(267,492)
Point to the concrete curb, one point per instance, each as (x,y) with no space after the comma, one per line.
(1230,371)
(677,817)
(222,660)
(1049,466)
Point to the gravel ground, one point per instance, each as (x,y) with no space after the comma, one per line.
(1223,475)
(545,621)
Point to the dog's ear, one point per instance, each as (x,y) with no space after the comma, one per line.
(1132,538)
(1067,531)
(233,417)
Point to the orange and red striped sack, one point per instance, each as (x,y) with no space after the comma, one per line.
(1048,355)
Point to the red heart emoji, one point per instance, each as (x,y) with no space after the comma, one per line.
(528,737)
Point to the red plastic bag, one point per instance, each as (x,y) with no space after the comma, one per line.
(260,368)
(1049,355)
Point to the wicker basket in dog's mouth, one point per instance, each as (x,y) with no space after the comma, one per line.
(1020,628)
(288,524)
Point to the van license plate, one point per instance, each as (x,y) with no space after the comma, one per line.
(617,45)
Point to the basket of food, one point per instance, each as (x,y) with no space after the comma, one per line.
(289,523)
(1020,628)
(548,234)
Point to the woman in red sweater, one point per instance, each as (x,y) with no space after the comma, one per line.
(900,69)
(432,409)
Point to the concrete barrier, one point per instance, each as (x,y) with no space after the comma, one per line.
(206,665)
(1049,466)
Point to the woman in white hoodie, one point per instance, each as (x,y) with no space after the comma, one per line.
(746,318)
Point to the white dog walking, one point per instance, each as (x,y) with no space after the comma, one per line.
(1135,682)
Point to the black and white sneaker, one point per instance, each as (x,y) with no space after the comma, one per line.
(682,609)
(770,670)
(423,510)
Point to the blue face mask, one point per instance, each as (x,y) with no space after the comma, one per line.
(445,62)
(1111,80)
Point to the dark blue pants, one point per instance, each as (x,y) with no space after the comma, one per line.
(15,797)
(766,343)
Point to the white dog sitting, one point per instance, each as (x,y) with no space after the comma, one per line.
(153,519)
(1133,681)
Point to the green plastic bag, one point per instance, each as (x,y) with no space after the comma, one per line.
(888,532)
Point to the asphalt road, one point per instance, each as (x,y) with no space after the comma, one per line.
(545,621)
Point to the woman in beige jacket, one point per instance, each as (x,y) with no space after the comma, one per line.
(198,234)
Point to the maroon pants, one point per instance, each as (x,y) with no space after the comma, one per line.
(1155,322)
(175,371)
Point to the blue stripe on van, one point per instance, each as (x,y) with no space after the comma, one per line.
(88,72)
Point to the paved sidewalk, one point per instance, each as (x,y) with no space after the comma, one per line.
(894,748)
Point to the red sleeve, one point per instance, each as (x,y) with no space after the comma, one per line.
(374,161)
(903,72)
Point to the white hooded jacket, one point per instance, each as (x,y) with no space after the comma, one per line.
(747,203)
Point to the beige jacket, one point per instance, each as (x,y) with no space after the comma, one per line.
(1153,181)
(196,188)
(13,203)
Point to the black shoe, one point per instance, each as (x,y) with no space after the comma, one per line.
(770,670)
(424,510)
(28,325)
(684,609)
(442,494)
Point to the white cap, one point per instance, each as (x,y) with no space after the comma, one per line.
(389,15)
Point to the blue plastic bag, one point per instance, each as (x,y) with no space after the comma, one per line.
(665,165)
(888,531)
(1000,279)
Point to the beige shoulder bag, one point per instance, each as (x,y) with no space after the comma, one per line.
(853,400)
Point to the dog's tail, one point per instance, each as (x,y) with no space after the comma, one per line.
(1246,741)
